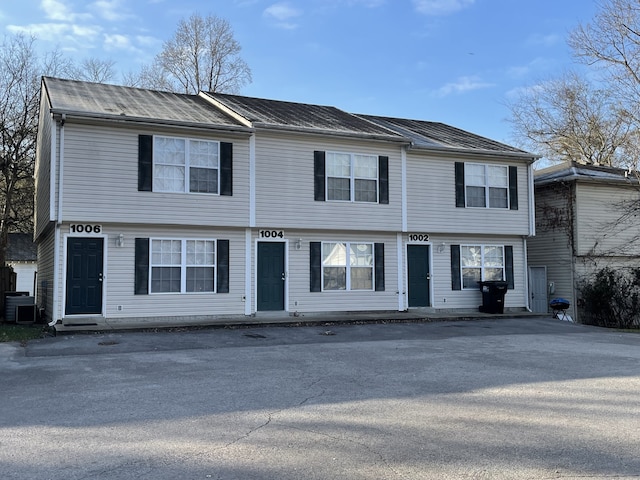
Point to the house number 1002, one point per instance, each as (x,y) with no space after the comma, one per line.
(419,237)
(80,228)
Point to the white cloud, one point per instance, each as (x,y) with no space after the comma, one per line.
(441,7)
(283,13)
(462,85)
(111,10)
(549,40)
(56,10)
(118,42)
(536,66)
(54,32)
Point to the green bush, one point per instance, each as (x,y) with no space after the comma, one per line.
(611,298)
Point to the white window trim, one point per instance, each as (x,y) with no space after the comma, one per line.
(186,165)
(352,178)
(348,267)
(482,266)
(183,266)
(486,185)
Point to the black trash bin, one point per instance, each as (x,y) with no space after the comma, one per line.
(493,292)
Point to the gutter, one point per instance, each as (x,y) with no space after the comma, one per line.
(335,133)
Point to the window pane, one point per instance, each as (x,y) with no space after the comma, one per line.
(493,274)
(334,278)
(471,256)
(334,254)
(493,256)
(361,278)
(338,164)
(203,154)
(474,174)
(365,166)
(366,191)
(203,180)
(361,254)
(476,197)
(470,277)
(165,279)
(169,150)
(338,189)
(200,279)
(498,176)
(200,252)
(498,198)
(168,178)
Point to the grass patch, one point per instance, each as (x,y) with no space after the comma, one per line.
(20,333)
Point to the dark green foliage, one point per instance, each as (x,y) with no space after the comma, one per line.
(611,298)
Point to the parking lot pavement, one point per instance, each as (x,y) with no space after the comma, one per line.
(525,398)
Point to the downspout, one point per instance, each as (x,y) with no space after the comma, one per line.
(526,273)
(532,202)
(57,239)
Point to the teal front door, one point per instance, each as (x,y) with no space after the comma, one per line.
(419,275)
(84,276)
(271,276)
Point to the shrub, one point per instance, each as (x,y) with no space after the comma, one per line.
(611,298)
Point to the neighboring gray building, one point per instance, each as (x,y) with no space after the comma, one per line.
(154,208)
(582,226)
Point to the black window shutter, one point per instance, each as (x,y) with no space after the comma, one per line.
(145,163)
(318,176)
(383,179)
(315,266)
(456,283)
(508,266)
(142,267)
(226,168)
(379,262)
(459,184)
(513,188)
(222,264)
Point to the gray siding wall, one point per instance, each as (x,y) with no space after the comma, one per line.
(431,199)
(45,288)
(552,245)
(605,226)
(285,186)
(101,182)
(42,171)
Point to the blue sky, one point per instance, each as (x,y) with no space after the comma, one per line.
(452,61)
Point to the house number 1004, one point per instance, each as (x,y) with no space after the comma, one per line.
(80,228)
(271,234)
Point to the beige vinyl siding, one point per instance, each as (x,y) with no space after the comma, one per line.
(431,199)
(101,182)
(447,299)
(285,185)
(301,300)
(604,227)
(551,247)
(120,269)
(42,172)
(45,288)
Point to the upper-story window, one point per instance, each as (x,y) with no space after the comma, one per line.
(184,165)
(486,186)
(351,177)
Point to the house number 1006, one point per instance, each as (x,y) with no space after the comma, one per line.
(80,228)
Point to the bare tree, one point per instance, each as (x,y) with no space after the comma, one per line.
(202,55)
(567,118)
(95,70)
(612,41)
(19,96)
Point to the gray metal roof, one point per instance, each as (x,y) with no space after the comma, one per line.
(117,102)
(300,116)
(436,135)
(573,171)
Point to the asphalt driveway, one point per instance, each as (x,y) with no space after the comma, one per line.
(525,398)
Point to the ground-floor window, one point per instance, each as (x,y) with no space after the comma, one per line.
(347,266)
(481,263)
(179,265)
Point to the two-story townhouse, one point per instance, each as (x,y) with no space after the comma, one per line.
(162,209)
